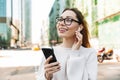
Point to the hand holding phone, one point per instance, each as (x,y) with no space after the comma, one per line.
(49,52)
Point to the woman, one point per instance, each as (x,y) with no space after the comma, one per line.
(75,59)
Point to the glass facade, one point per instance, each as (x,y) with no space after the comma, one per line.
(2,8)
(15,22)
(21,19)
(4,28)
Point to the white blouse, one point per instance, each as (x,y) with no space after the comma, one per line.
(75,64)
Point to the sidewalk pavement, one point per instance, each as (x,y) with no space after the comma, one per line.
(15,58)
(19,65)
(17,73)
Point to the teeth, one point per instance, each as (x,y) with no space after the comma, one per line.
(62,29)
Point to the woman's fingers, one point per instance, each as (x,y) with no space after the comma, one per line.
(51,65)
(52,71)
(51,68)
(78,40)
(79,36)
(48,59)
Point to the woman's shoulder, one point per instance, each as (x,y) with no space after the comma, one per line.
(88,50)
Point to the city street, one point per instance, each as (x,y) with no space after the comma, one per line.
(109,71)
(18,64)
(14,58)
(21,65)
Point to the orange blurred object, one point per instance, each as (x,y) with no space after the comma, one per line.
(36,48)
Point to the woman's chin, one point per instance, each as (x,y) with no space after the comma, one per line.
(61,35)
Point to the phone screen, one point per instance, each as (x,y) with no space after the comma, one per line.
(48,52)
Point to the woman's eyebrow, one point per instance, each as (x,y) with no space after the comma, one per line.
(69,16)
(66,17)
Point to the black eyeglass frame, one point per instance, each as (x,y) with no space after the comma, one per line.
(59,19)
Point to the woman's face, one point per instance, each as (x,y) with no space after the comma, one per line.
(67,24)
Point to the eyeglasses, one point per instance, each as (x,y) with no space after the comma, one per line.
(67,21)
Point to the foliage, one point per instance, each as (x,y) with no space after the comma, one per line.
(109,19)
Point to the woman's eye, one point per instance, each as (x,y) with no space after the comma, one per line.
(68,20)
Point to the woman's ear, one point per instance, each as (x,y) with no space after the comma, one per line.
(80,27)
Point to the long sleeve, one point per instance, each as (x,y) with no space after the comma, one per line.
(82,65)
(75,67)
(92,66)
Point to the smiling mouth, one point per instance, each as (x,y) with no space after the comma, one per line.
(62,30)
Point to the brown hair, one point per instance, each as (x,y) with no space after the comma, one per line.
(82,21)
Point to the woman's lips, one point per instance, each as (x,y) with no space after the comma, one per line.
(62,30)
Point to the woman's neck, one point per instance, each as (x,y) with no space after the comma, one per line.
(67,43)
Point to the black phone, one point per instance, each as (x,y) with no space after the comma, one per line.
(49,52)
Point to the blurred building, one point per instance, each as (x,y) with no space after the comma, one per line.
(21,19)
(54,13)
(5,31)
(15,22)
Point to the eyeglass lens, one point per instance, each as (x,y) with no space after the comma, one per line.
(67,21)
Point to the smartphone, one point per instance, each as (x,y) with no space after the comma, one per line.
(49,52)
